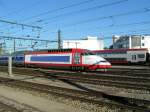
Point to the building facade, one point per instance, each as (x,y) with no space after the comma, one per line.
(131,41)
(90,43)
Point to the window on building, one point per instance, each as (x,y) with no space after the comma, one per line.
(143,44)
(142,38)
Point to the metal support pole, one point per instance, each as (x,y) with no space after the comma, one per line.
(59,39)
(14,45)
(10,66)
(130,42)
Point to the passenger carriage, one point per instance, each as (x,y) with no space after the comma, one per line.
(125,56)
(4,60)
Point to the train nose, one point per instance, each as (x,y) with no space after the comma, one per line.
(108,65)
(105,64)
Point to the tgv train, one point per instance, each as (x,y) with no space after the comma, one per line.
(125,56)
(74,59)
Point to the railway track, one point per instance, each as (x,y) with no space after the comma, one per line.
(127,82)
(87,96)
(10,105)
(118,73)
(117,81)
(131,71)
(7,108)
(134,73)
(114,71)
(100,81)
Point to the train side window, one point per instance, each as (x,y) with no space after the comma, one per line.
(141,55)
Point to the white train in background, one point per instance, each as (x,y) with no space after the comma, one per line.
(126,56)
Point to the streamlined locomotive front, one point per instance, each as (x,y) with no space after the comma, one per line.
(94,62)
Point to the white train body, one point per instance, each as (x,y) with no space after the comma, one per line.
(125,56)
(66,58)
(137,56)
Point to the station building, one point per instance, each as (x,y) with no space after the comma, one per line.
(131,41)
(90,43)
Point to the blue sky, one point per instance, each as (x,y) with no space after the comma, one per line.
(76,21)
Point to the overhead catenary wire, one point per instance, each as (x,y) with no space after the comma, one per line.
(100,6)
(83,10)
(20,10)
(20,24)
(143,10)
(21,38)
(58,9)
(110,26)
(127,24)
(121,25)
(92,8)
(128,32)
(110,17)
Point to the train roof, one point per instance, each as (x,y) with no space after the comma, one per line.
(52,50)
(121,50)
(19,52)
(57,50)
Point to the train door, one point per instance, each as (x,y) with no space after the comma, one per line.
(76,61)
(137,57)
(131,56)
(134,58)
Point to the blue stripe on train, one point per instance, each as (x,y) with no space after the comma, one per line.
(3,58)
(18,58)
(51,58)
